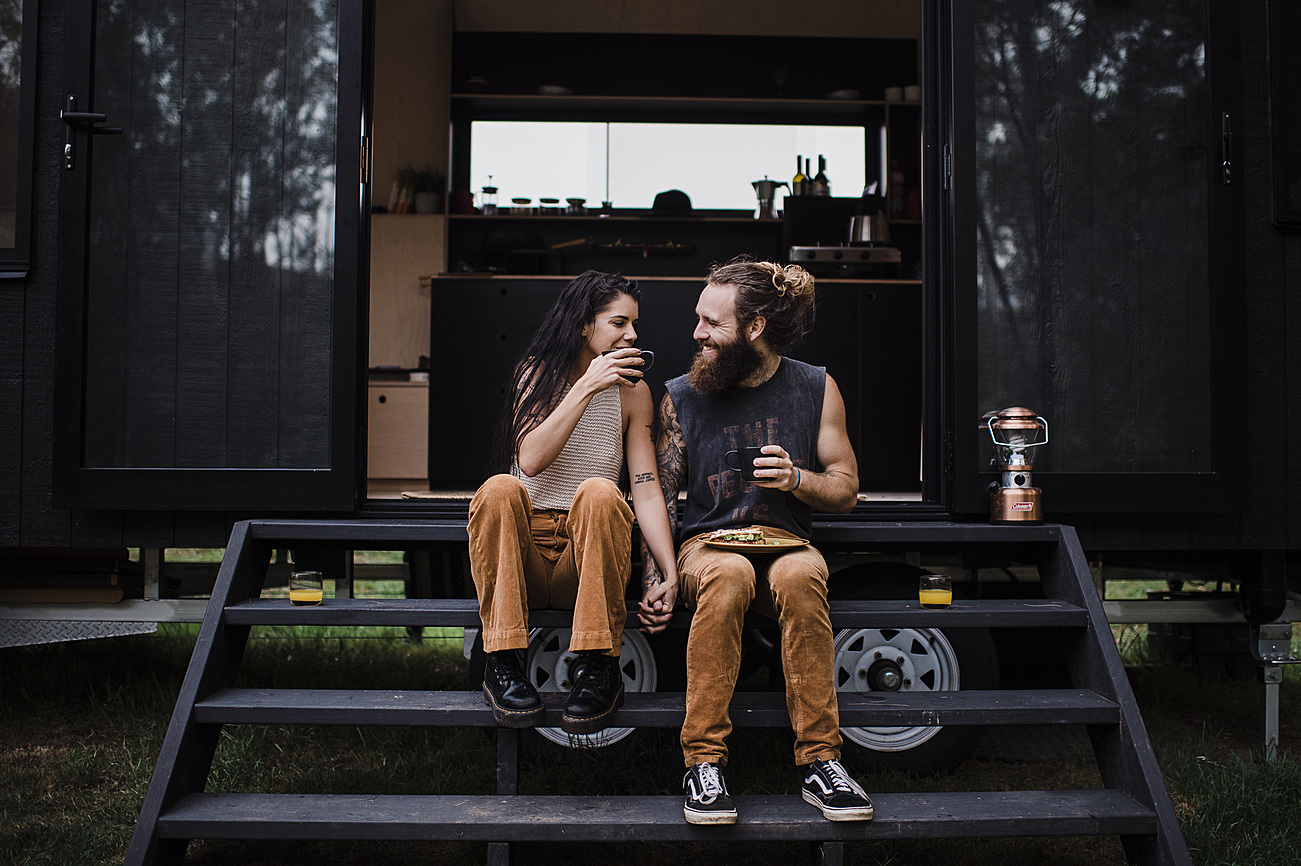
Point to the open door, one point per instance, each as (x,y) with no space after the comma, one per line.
(211,255)
(1098,236)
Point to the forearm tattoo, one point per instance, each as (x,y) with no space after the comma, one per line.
(643,477)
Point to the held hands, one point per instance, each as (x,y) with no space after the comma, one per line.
(620,366)
(775,471)
(655,609)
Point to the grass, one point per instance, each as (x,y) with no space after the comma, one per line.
(81,725)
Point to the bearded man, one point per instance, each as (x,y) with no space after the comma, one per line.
(743,392)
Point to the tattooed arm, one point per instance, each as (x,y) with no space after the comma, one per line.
(656,529)
(659,590)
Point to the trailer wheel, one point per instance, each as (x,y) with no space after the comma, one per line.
(909,659)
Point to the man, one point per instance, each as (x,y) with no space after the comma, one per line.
(741,392)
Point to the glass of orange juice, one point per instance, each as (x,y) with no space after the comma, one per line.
(935,591)
(305,588)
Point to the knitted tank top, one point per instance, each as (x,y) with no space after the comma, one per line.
(594,449)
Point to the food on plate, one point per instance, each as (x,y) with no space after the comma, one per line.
(745,535)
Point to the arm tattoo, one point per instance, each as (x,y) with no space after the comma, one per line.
(671,451)
(642,477)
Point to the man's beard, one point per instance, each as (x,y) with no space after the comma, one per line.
(732,363)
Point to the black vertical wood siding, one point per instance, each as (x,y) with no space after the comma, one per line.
(1092,159)
(203,269)
(254,293)
(25,485)
(211,276)
(309,145)
(1274,373)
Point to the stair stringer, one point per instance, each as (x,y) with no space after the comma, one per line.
(1123,752)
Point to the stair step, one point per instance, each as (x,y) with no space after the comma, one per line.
(464,612)
(569,818)
(389,534)
(654,709)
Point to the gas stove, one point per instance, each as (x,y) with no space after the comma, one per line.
(847,260)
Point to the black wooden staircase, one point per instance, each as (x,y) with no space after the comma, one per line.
(1134,804)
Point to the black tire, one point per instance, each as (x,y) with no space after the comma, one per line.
(965,656)
(670,649)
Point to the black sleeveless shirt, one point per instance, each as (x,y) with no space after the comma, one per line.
(786,410)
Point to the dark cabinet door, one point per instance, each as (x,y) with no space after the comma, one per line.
(1098,248)
(211,258)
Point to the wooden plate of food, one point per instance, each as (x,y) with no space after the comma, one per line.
(751,539)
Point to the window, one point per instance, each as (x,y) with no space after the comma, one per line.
(17,100)
(628,163)
(1092,232)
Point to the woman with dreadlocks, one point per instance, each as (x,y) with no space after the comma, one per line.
(555,530)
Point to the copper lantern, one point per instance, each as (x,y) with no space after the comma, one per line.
(1017,433)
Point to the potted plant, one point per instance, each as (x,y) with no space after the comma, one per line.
(423,187)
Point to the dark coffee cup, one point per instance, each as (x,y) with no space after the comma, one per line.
(647,358)
(745,457)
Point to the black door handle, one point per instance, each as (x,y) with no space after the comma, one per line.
(87,120)
(73,118)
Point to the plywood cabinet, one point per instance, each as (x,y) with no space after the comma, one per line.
(403,248)
(398,430)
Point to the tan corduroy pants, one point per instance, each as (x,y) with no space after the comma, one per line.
(574,560)
(791,587)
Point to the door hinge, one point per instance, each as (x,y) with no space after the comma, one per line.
(365,159)
(948,166)
(1228,142)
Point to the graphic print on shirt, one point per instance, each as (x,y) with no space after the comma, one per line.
(727,484)
(783,411)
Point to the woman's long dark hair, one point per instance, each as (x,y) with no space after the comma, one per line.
(541,373)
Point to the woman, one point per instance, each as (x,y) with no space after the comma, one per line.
(556,531)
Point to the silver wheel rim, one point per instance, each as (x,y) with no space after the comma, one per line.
(547,666)
(926,661)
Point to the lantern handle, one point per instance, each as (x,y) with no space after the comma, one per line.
(989,423)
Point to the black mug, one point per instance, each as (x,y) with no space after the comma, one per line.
(746,457)
(647,357)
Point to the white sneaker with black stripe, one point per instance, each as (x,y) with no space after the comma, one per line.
(828,786)
(707,799)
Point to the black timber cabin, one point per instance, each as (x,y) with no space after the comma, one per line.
(205,319)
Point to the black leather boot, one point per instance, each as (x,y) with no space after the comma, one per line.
(514,701)
(597,693)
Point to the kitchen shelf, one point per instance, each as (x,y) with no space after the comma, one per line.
(488,105)
(613,219)
(473,275)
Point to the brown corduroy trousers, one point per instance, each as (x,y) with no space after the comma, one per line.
(574,560)
(720,585)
